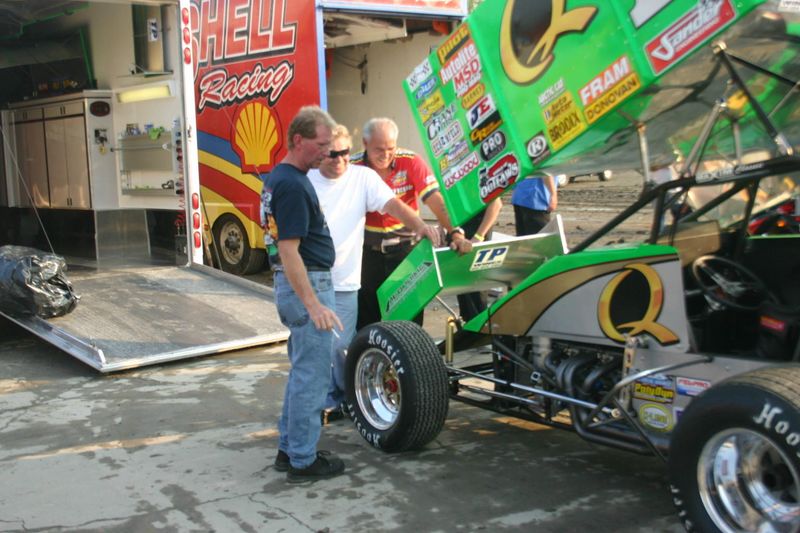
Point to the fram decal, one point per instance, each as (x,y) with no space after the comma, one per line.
(465,167)
(608,89)
(654,302)
(688,32)
(493,145)
(481,111)
(644,10)
(420,73)
(425,89)
(461,60)
(487,258)
(526,43)
(691,386)
(497,178)
(452,44)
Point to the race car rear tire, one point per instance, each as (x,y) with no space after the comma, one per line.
(734,461)
(397,392)
(605,175)
(233,247)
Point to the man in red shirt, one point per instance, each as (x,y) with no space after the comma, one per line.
(386,240)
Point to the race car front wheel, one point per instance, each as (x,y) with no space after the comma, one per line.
(734,460)
(397,390)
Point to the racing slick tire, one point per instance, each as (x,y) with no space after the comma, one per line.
(233,248)
(734,463)
(397,386)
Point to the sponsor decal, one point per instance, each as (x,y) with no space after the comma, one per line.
(460,61)
(409,284)
(257,136)
(487,258)
(480,112)
(440,120)
(474,94)
(420,73)
(620,304)
(477,136)
(465,167)
(527,44)
(493,145)
(789,6)
(497,178)
(455,154)
(218,87)
(644,10)
(425,89)
(447,138)
(691,386)
(467,77)
(431,105)
(728,172)
(537,148)
(551,92)
(453,44)
(656,417)
(657,389)
(688,32)
(564,121)
(608,89)
(772,419)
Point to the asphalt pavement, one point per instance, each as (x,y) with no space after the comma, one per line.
(188,446)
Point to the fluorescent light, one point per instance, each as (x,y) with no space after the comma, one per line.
(150,92)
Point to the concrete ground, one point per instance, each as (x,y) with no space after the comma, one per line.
(188,446)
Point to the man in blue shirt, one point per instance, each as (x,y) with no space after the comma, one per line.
(301,257)
(533,200)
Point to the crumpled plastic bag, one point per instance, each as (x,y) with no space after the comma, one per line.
(33,282)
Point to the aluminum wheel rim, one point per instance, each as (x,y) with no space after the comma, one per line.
(748,484)
(232,239)
(377,389)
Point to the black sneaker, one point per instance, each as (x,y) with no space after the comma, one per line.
(325,466)
(282,461)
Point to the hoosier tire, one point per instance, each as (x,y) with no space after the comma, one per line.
(397,392)
(734,460)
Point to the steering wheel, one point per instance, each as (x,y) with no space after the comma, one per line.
(730,284)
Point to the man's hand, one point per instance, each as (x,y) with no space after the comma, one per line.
(324,318)
(431,233)
(460,244)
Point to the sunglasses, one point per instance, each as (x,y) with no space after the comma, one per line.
(333,154)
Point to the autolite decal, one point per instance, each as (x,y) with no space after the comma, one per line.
(461,60)
(498,177)
(465,167)
(420,73)
(688,32)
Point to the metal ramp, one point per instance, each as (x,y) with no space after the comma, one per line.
(136,316)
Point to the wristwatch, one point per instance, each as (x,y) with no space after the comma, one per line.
(455,230)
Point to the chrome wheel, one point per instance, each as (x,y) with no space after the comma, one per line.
(748,484)
(377,389)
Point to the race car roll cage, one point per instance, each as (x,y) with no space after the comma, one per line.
(596,426)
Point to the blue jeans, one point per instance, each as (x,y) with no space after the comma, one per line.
(347,310)
(309,353)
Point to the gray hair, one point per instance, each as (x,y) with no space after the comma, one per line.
(306,121)
(375,124)
(340,131)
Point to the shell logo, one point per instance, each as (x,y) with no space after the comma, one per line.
(256,137)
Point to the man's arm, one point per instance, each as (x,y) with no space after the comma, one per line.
(410,219)
(489,218)
(296,274)
(550,184)
(435,201)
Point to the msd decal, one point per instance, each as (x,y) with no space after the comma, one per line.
(688,32)
(225,33)
(460,61)
(497,178)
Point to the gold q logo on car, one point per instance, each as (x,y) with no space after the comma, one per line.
(529,32)
(647,323)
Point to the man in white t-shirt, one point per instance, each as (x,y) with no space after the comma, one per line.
(346,192)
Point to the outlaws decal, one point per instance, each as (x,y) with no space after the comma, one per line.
(527,44)
(688,32)
(487,258)
(497,178)
(608,89)
(632,301)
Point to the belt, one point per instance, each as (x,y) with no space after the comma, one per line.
(393,245)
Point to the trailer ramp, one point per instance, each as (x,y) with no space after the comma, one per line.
(135,316)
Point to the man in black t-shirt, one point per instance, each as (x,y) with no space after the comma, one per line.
(301,256)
